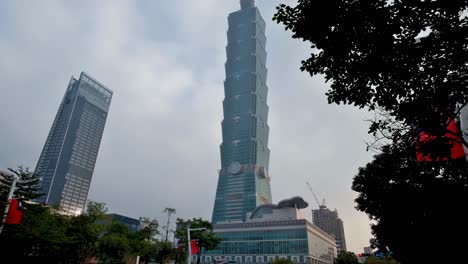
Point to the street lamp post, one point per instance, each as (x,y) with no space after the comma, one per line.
(10,195)
(189,243)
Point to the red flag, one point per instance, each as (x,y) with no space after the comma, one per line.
(15,212)
(194,246)
(456,151)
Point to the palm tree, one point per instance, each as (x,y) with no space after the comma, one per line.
(169,212)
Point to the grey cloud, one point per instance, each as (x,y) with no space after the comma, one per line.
(164,60)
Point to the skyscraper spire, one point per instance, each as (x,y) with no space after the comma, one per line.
(247,4)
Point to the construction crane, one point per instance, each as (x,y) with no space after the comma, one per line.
(321,205)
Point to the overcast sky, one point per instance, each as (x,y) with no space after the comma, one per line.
(164,60)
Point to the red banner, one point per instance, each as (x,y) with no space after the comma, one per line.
(195,246)
(15,213)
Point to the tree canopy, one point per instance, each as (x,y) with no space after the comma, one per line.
(207,238)
(150,228)
(346,258)
(46,236)
(376,260)
(406,61)
(407,199)
(27,186)
(376,55)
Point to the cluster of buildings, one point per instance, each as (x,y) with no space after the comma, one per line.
(253,229)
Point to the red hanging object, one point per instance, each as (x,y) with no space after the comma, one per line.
(15,212)
(456,152)
(195,248)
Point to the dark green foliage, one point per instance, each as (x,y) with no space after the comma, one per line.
(42,235)
(96,211)
(208,240)
(346,258)
(114,246)
(45,236)
(413,203)
(27,186)
(117,244)
(150,228)
(368,51)
(84,230)
(146,250)
(375,260)
(165,252)
(375,56)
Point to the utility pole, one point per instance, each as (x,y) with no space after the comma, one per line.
(189,242)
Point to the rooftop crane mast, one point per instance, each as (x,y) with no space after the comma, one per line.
(321,205)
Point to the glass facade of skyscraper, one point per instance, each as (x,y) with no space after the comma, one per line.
(244,182)
(264,242)
(267,242)
(67,160)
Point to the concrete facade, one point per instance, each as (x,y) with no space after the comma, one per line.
(329,222)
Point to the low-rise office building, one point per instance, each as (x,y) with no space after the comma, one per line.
(132,223)
(272,232)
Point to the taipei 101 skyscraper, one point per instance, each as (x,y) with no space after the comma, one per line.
(244,182)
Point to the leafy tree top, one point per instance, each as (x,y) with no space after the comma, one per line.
(207,238)
(346,258)
(96,210)
(150,227)
(169,210)
(375,260)
(406,60)
(374,56)
(27,187)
